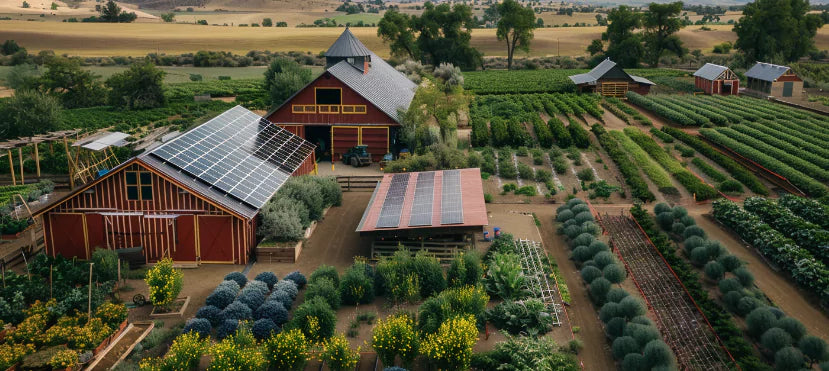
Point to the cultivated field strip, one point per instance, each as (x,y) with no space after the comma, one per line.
(681,323)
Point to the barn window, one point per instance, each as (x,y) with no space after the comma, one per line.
(329,96)
(139,185)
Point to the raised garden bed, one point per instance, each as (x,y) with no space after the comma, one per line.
(178,308)
(279,252)
(121,346)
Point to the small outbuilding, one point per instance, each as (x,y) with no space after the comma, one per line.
(194,198)
(715,79)
(437,211)
(771,80)
(610,80)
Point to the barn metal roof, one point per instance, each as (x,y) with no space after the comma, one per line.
(600,70)
(766,71)
(347,45)
(471,203)
(382,85)
(710,71)
(103,140)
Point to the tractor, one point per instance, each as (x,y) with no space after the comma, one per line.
(357,156)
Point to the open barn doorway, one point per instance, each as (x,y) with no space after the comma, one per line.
(320,136)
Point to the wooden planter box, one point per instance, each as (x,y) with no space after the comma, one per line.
(178,313)
(13,367)
(278,252)
(104,344)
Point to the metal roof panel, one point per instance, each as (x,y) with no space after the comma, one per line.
(766,71)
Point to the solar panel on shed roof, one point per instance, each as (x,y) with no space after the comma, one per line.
(239,153)
(451,208)
(423,199)
(393,204)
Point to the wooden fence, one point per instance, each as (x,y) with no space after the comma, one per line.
(365,183)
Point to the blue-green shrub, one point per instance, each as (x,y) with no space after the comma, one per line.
(298,279)
(263,328)
(238,311)
(273,310)
(210,313)
(268,278)
(200,326)
(237,277)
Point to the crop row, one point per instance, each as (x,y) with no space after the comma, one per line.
(626,110)
(807,235)
(694,185)
(629,170)
(804,268)
(736,170)
(661,110)
(805,208)
(790,136)
(789,158)
(804,182)
(781,144)
(656,173)
(103,117)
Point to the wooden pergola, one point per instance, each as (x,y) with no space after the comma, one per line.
(6,148)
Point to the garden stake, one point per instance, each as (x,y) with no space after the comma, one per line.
(50,281)
(89,302)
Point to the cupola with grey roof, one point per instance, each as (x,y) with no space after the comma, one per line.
(350,49)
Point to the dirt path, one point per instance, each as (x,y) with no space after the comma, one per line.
(611,122)
(779,288)
(596,355)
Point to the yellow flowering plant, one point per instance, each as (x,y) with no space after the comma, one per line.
(451,347)
(237,352)
(64,359)
(338,355)
(184,354)
(164,282)
(30,329)
(112,314)
(396,336)
(10,353)
(287,350)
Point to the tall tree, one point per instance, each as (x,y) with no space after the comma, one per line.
(141,86)
(515,26)
(111,12)
(285,77)
(624,46)
(395,28)
(76,87)
(661,23)
(29,112)
(440,35)
(779,29)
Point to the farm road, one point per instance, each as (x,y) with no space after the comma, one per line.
(775,285)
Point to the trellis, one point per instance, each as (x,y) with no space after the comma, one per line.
(681,322)
(537,278)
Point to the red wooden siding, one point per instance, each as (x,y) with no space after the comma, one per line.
(789,78)
(717,86)
(284,114)
(342,139)
(102,216)
(377,140)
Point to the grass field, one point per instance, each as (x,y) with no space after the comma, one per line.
(136,39)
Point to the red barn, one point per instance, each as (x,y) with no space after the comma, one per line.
(771,80)
(355,101)
(715,79)
(194,198)
(610,80)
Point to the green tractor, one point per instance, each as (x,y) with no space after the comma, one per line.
(357,156)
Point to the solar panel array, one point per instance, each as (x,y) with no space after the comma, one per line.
(239,153)
(451,208)
(423,199)
(393,204)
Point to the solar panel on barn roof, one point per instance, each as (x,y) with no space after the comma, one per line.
(423,199)
(239,153)
(451,208)
(393,204)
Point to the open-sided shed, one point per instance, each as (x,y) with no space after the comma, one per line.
(608,79)
(772,80)
(715,79)
(439,211)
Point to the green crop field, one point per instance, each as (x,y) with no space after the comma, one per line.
(541,81)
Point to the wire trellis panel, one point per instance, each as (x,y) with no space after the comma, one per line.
(681,323)
(537,279)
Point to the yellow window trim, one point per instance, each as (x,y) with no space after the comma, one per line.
(138,185)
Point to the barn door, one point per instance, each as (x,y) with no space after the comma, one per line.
(216,238)
(184,247)
(67,235)
(95,231)
(342,139)
(788,86)
(377,140)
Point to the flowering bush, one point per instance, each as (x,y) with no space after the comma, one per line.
(12,353)
(315,318)
(210,313)
(237,277)
(298,278)
(287,350)
(237,310)
(268,278)
(164,282)
(338,355)
(288,286)
(64,359)
(356,287)
(29,329)
(112,314)
(200,326)
(274,311)
(451,346)
(263,328)
(396,336)
(467,300)
(282,297)
(184,354)
(237,352)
